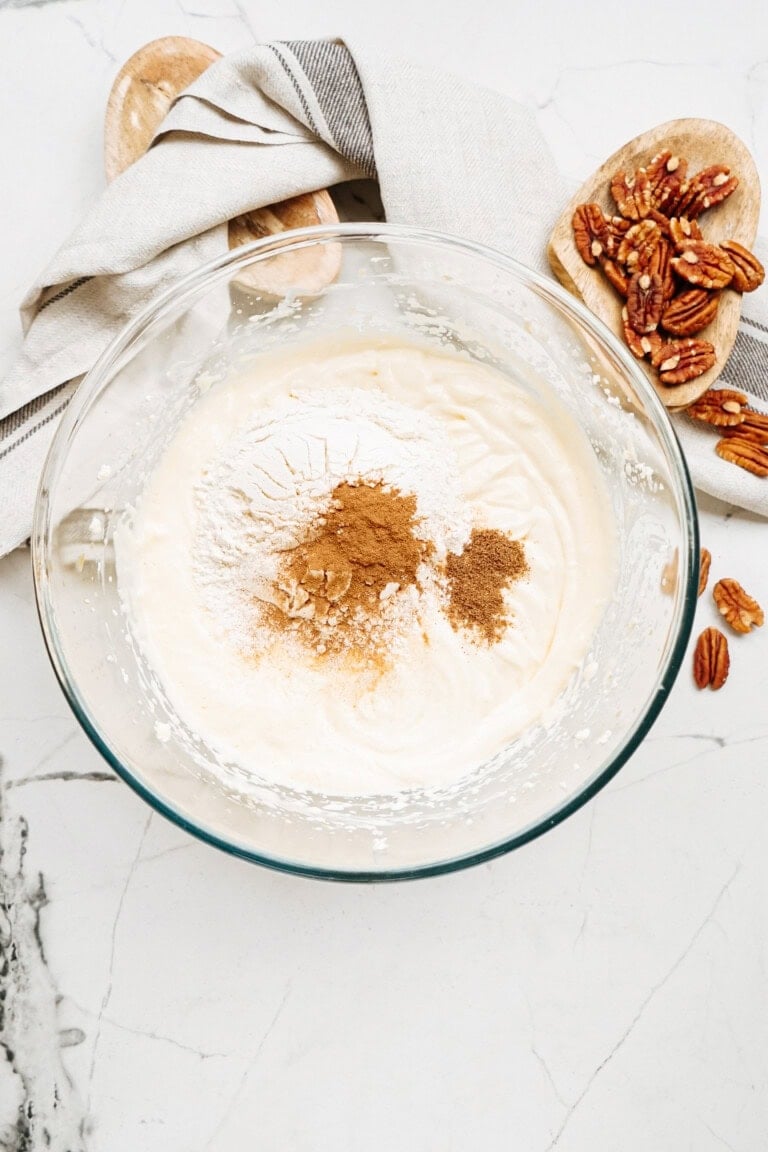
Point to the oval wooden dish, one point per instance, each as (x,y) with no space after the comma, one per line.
(702,143)
(143,92)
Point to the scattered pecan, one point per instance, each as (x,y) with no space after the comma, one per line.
(709,187)
(721,407)
(748,271)
(681,229)
(683,360)
(689,312)
(645,302)
(592,233)
(747,431)
(753,426)
(737,607)
(638,246)
(632,194)
(615,276)
(757,419)
(705,562)
(705,265)
(711,661)
(666,174)
(745,453)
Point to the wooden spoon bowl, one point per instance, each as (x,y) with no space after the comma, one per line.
(143,92)
(701,142)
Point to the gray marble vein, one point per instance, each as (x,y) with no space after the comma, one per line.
(113,944)
(64,776)
(243,1079)
(39,1107)
(26,3)
(654,991)
(93,41)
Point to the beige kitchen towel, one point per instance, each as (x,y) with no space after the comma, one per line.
(265,124)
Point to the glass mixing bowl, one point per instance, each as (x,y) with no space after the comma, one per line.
(449,293)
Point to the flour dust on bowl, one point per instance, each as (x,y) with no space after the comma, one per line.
(368,583)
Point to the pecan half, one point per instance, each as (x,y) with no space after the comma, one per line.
(660,263)
(721,407)
(757,419)
(681,229)
(689,312)
(632,339)
(645,302)
(753,426)
(615,276)
(682,360)
(709,187)
(748,271)
(666,174)
(745,453)
(640,345)
(746,431)
(711,661)
(619,227)
(632,194)
(705,265)
(737,607)
(592,233)
(660,165)
(660,219)
(705,563)
(651,343)
(639,244)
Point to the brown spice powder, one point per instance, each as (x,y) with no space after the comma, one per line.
(477,578)
(337,584)
(337,590)
(366,543)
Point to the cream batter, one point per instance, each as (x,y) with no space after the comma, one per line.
(257,455)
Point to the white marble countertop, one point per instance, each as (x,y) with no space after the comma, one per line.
(602,988)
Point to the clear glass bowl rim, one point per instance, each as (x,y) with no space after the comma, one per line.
(206,276)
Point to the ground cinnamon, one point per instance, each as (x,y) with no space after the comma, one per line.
(477,578)
(336,585)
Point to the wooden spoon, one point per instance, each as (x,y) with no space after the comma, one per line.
(142,94)
(701,142)
(143,91)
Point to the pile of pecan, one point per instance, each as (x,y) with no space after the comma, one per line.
(655,256)
(742,613)
(743,432)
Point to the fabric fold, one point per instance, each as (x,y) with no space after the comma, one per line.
(272,122)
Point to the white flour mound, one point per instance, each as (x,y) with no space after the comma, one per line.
(259,498)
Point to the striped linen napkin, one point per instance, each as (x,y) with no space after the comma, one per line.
(275,121)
